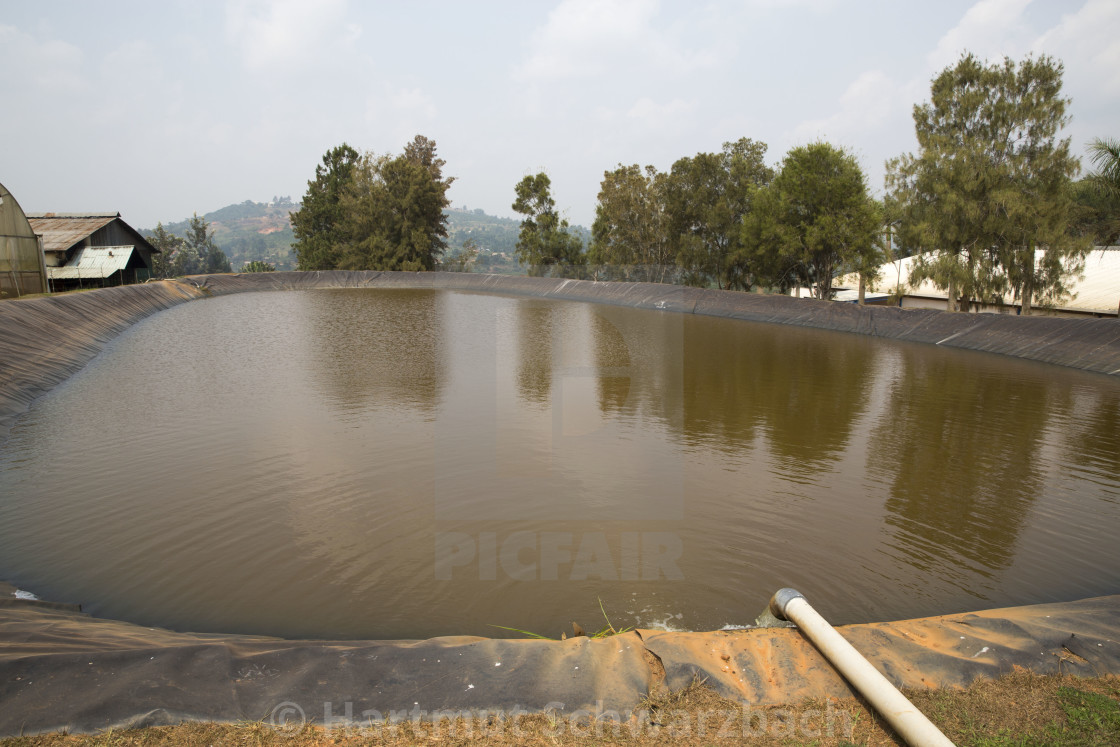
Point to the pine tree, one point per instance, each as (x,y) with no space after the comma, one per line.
(988,196)
(317,225)
(168,244)
(200,253)
(393,211)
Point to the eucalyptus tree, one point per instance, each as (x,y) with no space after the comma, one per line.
(988,195)
(707,197)
(630,235)
(544,243)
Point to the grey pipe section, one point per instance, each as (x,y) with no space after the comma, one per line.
(910,723)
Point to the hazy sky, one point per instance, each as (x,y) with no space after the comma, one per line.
(161,109)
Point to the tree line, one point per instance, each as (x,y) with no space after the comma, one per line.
(728,220)
(989,204)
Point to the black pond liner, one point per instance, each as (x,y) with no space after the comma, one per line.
(60,669)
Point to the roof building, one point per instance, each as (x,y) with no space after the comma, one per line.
(1096,293)
(22,269)
(92,250)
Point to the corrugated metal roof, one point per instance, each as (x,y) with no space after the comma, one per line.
(74,215)
(93,262)
(1098,292)
(60,231)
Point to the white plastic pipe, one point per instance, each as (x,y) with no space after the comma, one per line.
(910,723)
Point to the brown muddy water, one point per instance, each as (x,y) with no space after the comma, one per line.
(408,463)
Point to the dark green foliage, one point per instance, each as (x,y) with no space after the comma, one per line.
(1098,195)
(374,212)
(1105,155)
(258,266)
(167,243)
(1098,213)
(707,197)
(317,225)
(991,184)
(631,237)
(199,243)
(814,221)
(724,219)
(195,253)
(545,243)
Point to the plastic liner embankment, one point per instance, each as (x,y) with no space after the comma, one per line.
(60,669)
(1089,344)
(44,340)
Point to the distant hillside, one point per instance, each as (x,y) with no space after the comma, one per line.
(262,231)
(493,234)
(250,231)
(496,239)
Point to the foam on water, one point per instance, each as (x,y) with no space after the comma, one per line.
(765,619)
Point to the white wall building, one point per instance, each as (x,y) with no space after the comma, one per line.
(1096,293)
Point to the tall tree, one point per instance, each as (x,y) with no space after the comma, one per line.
(317,225)
(422,151)
(199,243)
(544,243)
(988,194)
(707,197)
(821,219)
(393,211)
(630,235)
(761,239)
(168,244)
